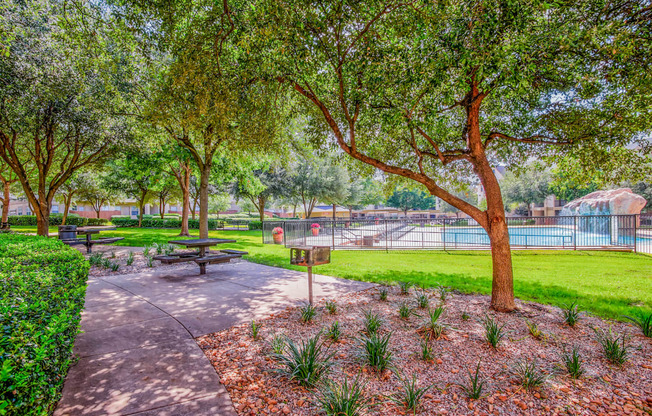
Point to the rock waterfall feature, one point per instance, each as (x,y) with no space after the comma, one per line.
(601,207)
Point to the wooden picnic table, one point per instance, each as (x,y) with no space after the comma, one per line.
(88,241)
(202,256)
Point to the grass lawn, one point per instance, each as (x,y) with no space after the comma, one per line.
(609,284)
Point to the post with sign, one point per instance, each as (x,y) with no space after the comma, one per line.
(309,256)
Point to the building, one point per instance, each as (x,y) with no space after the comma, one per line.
(550,207)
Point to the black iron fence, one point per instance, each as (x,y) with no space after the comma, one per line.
(595,232)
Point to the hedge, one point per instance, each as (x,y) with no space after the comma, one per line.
(164,223)
(55,219)
(43,287)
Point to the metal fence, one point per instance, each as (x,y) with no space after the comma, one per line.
(595,232)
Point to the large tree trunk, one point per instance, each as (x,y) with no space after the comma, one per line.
(66,208)
(261,208)
(97,212)
(502,288)
(42,212)
(141,208)
(203,200)
(161,207)
(5,203)
(185,189)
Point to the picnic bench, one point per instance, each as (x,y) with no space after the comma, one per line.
(203,255)
(69,234)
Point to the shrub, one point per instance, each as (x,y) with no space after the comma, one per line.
(643,322)
(426,350)
(528,374)
(404,310)
(614,346)
(423,301)
(534,329)
(383,293)
(130,258)
(97,221)
(571,314)
(342,399)
(307,362)
(410,394)
(278,344)
(163,223)
(405,287)
(255,330)
(432,327)
(375,351)
(43,287)
(493,332)
(371,322)
(307,313)
(573,362)
(55,219)
(331,307)
(334,332)
(474,385)
(255,225)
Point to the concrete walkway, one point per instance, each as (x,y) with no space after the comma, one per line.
(137,352)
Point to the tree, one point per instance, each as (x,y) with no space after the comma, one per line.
(165,189)
(220,202)
(467,195)
(317,179)
(135,175)
(95,190)
(528,186)
(70,189)
(408,199)
(437,92)
(568,186)
(199,93)
(8,178)
(644,189)
(56,100)
(337,187)
(260,186)
(179,167)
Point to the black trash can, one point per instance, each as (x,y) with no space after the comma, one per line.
(67,232)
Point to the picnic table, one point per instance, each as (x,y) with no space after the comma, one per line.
(203,255)
(68,235)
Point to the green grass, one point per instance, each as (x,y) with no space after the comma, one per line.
(609,284)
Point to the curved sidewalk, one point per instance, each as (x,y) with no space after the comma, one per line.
(137,354)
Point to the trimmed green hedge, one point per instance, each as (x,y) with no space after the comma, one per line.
(55,219)
(97,221)
(255,225)
(164,223)
(43,288)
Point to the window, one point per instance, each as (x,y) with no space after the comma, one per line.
(80,208)
(20,211)
(134,210)
(173,208)
(55,209)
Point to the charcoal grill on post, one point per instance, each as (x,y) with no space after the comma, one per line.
(309,256)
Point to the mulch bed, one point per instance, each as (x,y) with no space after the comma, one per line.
(256,387)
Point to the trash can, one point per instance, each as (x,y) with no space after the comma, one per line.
(67,232)
(368,240)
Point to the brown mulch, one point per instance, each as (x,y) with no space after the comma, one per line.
(250,376)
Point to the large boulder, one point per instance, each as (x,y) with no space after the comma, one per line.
(613,202)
